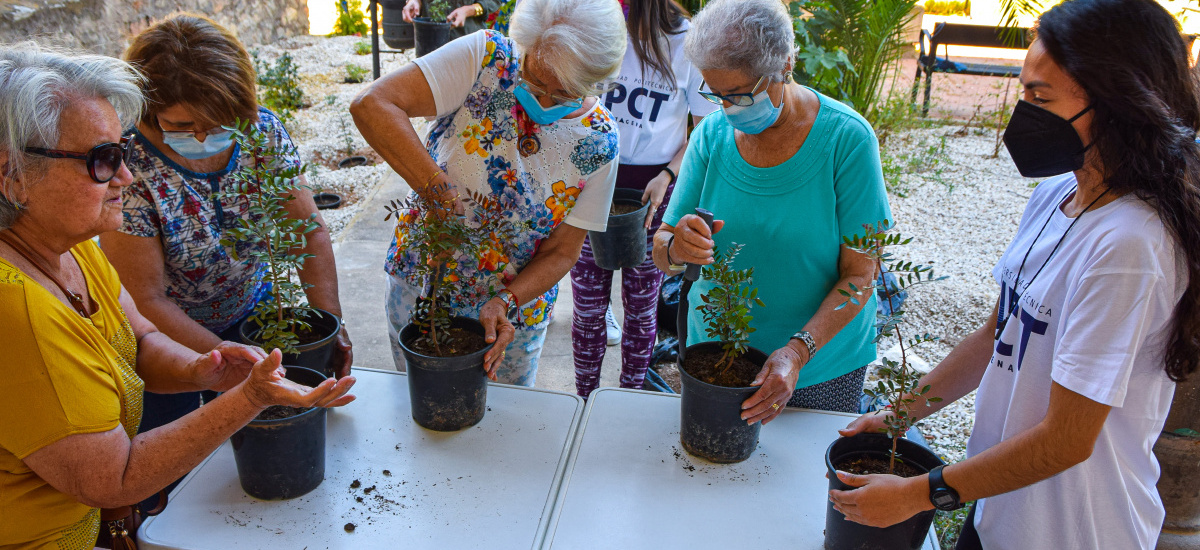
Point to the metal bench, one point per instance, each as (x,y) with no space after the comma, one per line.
(946,34)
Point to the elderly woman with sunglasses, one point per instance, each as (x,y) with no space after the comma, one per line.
(788,173)
(517,119)
(168,250)
(78,352)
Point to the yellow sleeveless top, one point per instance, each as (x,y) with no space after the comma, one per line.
(66,375)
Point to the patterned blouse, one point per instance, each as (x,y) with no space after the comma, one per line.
(179,206)
(543,174)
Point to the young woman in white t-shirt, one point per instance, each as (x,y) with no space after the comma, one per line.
(656,90)
(1099,299)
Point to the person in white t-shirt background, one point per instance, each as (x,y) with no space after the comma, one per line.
(1099,299)
(654,93)
(518,119)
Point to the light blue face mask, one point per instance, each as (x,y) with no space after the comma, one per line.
(755,118)
(188,147)
(543,115)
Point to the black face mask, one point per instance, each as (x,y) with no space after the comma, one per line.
(1041,143)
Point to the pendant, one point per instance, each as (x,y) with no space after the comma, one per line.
(529,145)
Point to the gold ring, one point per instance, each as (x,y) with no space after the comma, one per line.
(775,406)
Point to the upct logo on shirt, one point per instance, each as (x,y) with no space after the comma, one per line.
(1027,312)
(642,102)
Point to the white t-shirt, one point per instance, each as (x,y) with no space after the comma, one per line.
(1096,321)
(651,111)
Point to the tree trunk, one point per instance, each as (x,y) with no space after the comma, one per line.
(1179,456)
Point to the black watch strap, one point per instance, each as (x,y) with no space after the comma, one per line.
(942,496)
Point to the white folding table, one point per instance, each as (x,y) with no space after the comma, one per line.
(489,486)
(630,485)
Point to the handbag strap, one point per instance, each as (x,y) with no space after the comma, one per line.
(74,298)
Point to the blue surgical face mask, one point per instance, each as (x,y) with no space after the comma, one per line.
(188,147)
(753,119)
(543,115)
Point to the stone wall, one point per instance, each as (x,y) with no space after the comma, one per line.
(106,26)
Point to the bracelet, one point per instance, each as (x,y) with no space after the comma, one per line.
(672,172)
(478,10)
(429,181)
(670,263)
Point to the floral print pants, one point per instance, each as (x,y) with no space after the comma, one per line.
(520,358)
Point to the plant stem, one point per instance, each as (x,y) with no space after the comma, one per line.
(898,397)
(433,296)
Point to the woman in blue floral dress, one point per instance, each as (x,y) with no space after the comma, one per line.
(518,119)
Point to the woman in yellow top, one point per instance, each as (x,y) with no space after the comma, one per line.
(77,353)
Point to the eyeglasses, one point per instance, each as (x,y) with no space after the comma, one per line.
(103,161)
(597,90)
(741,100)
(184,134)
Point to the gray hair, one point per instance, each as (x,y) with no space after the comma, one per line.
(581,41)
(36,84)
(752,36)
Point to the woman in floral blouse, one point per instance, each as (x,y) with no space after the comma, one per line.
(518,119)
(168,250)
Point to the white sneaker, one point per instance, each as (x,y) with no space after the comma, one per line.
(614,330)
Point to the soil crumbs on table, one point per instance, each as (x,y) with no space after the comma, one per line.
(702,366)
(741,472)
(462,342)
(623,207)
(277,412)
(866,465)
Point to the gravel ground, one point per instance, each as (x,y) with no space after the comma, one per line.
(961,215)
(324,131)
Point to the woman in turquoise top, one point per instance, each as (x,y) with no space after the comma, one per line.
(788,173)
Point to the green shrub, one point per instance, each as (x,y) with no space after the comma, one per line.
(362,47)
(439,9)
(355,73)
(350,19)
(948,7)
(279,86)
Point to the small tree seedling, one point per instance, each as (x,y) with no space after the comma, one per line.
(279,85)
(439,9)
(899,384)
(275,236)
(726,306)
(437,234)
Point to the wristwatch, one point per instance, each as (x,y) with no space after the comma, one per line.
(809,343)
(941,495)
(510,302)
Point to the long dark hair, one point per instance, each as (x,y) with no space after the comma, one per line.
(1131,60)
(648,22)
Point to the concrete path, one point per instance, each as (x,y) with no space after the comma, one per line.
(363,285)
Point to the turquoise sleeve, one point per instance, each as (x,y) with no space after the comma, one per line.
(858,181)
(692,173)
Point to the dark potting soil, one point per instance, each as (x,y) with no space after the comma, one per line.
(866,465)
(276,412)
(462,342)
(623,207)
(311,334)
(702,365)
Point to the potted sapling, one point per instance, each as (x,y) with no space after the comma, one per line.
(716,375)
(899,386)
(433,31)
(623,243)
(444,352)
(280,454)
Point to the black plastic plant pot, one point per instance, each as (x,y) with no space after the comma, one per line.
(710,417)
(327,201)
(430,35)
(846,535)
(447,393)
(623,244)
(283,458)
(352,161)
(316,355)
(397,33)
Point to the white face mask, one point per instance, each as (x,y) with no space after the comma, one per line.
(188,147)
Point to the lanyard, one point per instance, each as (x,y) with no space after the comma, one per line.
(1003,316)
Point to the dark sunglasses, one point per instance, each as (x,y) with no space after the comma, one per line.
(103,161)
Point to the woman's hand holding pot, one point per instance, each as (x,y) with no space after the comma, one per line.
(776,381)
(266,386)
(693,243)
(498,331)
(655,191)
(872,422)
